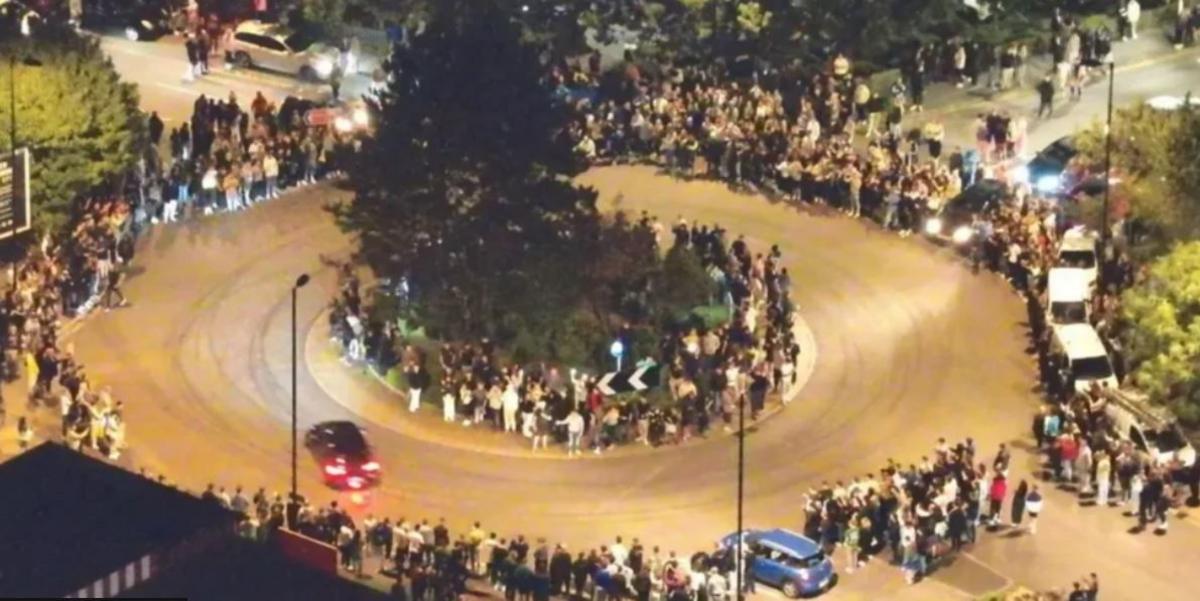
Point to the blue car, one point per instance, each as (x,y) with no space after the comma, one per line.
(787,560)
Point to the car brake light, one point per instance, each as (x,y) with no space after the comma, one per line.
(370,466)
(335,470)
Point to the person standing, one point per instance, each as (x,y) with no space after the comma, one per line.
(335,81)
(115,275)
(1045,89)
(1133,13)
(574,423)
(510,402)
(1018,503)
(154,127)
(1033,505)
(416,376)
(996,493)
(1103,478)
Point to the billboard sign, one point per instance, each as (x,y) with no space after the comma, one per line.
(14,194)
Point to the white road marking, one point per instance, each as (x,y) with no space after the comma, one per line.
(174,88)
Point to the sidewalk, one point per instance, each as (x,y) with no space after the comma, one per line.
(944,97)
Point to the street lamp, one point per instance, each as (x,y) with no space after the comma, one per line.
(1112,71)
(741,487)
(27,61)
(617,350)
(294,500)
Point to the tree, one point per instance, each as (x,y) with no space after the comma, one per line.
(1164,337)
(1153,157)
(465,188)
(79,119)
(327,15)
(683,284)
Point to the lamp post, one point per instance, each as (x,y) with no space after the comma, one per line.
(28,61)
(294,500)
(1112,71)
(617,350)
(741,486)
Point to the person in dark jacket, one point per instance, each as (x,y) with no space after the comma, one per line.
(1018,503)
(560,571)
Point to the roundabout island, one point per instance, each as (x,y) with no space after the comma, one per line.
(912,348)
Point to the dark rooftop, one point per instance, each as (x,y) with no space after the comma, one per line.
(67,519)
(250,571)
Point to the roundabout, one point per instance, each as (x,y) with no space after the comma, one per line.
(912,347)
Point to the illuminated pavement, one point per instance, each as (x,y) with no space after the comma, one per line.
(912,347)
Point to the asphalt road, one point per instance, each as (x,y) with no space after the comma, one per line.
(912,347)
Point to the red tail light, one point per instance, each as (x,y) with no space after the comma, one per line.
(370,466)
(335,470)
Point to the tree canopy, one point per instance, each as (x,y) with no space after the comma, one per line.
(79,119)
(465,191)
(1164,341)
(1154,156)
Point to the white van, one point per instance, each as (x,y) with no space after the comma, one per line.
(1067,292)
(1078,251)
(1080,356)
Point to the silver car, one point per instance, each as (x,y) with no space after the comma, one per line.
(277,48)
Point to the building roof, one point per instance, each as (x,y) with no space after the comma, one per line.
(250,571)
(69,519)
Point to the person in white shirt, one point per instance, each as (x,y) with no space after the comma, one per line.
(574,423)
(510,401)
(619,552)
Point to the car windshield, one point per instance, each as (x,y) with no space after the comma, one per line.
(1058,153)
(1077,258)
(299,42)
(1068,312)
(1168,440)
(1091,368)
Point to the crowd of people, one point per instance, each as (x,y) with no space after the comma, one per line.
(228,157)
(61,280)
(711,369)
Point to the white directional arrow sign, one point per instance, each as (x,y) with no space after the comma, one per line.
(605,389)
(635,380)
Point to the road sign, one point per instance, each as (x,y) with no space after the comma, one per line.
(642,377)
(14,194)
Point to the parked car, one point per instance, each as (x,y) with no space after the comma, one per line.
(278,48)
(1077,250)
(137,20)
(345,457)
(787,560)
(953,220)
(1079,356)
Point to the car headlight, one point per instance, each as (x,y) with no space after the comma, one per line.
(933,226)
(343,125)
(1047,184)
(1021,174)
(962,235)
(131,34)
(360,117)
(804,574)
(323,67)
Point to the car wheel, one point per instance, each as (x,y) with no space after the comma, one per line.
(308,74)
(132,34)
(242,60)
(791,590)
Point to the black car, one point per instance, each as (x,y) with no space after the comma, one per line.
(343,454)
(1045,172)
(137,20)
(953,221)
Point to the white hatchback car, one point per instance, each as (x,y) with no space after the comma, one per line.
(277,48)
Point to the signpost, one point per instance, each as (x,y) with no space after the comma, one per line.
(15,210)
(641,377)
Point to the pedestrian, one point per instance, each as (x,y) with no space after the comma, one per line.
(1133,13)
(24,432)
(575,426)
(1033,505)
(116,274)
(1103,478)
(1045,89)
(448,398)
(193,57)
(996,493)
(1018,503)
(541,429)
(154,127)
(335,81)
(415,376)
